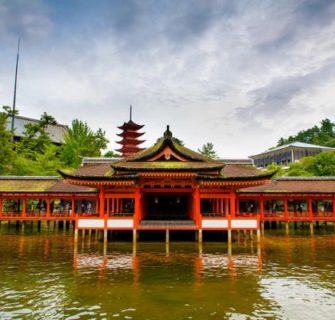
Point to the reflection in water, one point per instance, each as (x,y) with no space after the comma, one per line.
(46,277)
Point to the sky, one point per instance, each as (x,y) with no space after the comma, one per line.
(240,74)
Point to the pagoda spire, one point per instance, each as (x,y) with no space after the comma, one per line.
(130,142)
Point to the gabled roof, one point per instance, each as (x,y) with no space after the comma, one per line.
(167,155)
(169,141)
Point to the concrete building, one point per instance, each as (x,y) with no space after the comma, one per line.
(284,155)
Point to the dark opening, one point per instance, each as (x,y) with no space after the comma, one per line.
(161,206)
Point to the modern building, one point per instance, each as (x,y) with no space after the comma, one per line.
(289,153)
(167,187)
(56,132)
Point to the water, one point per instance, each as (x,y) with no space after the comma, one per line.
(43,277)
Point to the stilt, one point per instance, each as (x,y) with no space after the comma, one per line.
(263,227)
(200,236)
(90,234)
(287,229)
(76,235)
(167,236)
(311,228)
(134,235)
(48,225)
(105,236)
(258,235)
(251,234)
(229,242)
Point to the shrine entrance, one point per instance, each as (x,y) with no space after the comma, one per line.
(167,206)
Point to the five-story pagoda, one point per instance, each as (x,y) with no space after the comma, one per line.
(130,137)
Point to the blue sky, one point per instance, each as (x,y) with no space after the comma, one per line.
(238,73)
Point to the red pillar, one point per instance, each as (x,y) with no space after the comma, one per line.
(232,204)
(286,209)
(73,206)
(196,206)
(138,208)
(102,203)
(261,207)
(237,205)
(310,208)
(1,206)
(48,208)
(24,207)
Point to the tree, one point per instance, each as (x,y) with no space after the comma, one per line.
(112,154)
(81,141)
(323,164)
(35,139)
(208,150)
(7,152)
(323,135)
(280,171)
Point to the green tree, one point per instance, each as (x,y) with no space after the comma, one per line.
(280,171)
(322,135)
(35,139)
(323,164)
(81,141)
(7,153)
(208,150)
(112,154)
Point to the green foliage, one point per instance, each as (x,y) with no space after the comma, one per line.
(112,154)
(9,111)
(81,141)
(208,150)
(7,153)
(36,140)
(280,171)
(323,135)
(323,164)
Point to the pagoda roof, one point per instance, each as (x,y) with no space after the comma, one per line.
(130,133)
(168,155)
(130,141)
(130,125)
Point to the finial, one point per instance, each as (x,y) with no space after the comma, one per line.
(167,133)
(130,112)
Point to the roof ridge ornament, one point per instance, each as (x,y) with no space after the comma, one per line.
(167,133)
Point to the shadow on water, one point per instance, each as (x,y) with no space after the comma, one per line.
(44,276)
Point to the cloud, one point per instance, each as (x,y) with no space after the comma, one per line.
(221,71)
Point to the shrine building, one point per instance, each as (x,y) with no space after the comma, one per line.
(166,187)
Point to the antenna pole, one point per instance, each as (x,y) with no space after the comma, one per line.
(131,111)
(15,85)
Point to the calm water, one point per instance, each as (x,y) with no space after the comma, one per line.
(43,277)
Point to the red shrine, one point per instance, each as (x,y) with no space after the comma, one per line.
(130,142)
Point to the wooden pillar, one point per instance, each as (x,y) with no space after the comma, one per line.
(24,207)
(167,236)
(102,203)
(138,208)
(108,206)
(48,208)
(310,208)
(261,207)
(134,235)
(73,206)
(1,206)
(232,204)
(196,206)
(237,205)
(286,217)
(258,235)
(200,236)
(311,227)
(287,228)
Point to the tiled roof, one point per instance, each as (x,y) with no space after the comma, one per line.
(296,185)
(56,132)
(39,184)
(167,166)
